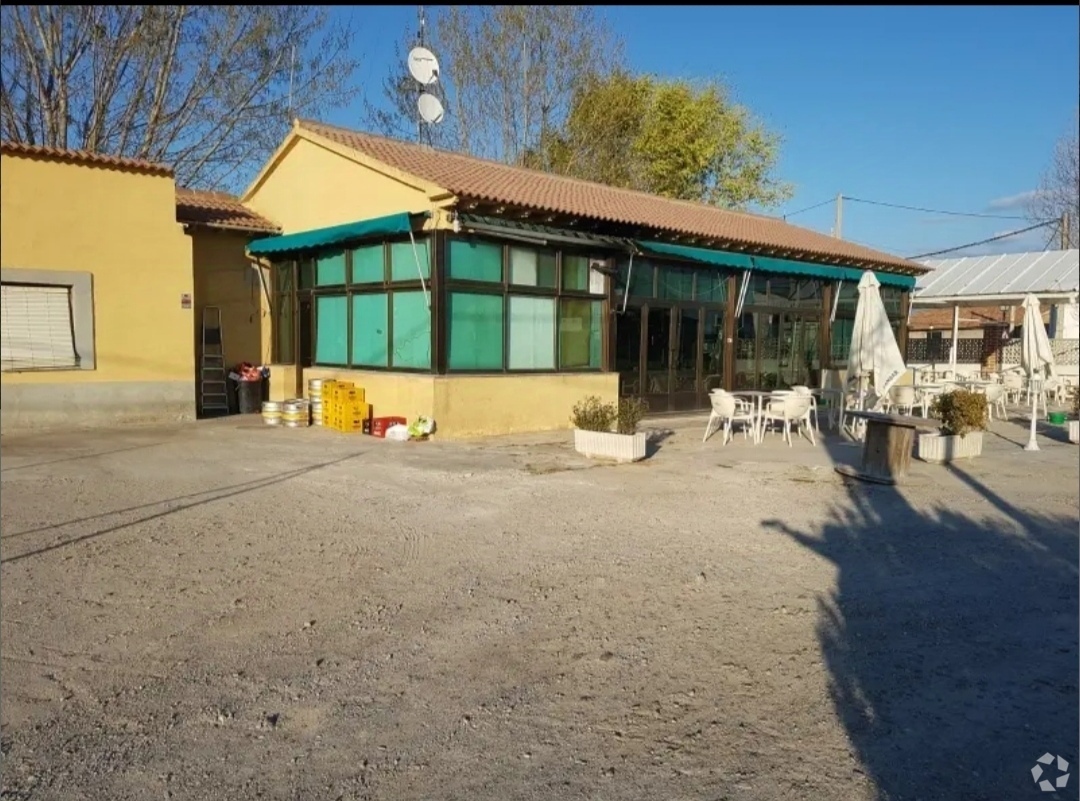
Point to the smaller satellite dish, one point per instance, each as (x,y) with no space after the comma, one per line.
(431,110)
(423,66)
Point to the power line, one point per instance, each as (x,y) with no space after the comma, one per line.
(811,208)
(936,211)
(1053,235)
(984,241)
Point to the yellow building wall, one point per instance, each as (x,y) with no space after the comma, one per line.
(314,187)
(224,277)
(121,227)
(476,406)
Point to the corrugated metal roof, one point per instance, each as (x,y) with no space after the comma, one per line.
(1049,271)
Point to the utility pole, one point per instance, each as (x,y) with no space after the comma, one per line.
(838,227)
(1065,233)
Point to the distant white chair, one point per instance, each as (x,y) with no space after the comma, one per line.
(801,389)
(728,410)
(995,400)
(902,399)
(1013,384)
(789,409)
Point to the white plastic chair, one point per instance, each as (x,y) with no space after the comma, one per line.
(1013,383)
(729,410)
(995,399)
(903,399)
(801,389)
(789,409)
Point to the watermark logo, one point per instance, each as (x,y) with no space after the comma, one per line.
(1042,765)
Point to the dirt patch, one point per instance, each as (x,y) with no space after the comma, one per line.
(295,614)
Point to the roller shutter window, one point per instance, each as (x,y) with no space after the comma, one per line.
(36,328)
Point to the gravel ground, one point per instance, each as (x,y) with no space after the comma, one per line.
(227,611)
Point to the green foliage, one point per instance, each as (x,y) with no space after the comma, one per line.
(1076,402)
(630,413)
(592,414)
(669,138)
(960,411)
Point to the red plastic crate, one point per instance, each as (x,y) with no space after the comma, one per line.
(379,425)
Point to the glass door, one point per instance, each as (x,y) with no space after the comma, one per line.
(798,351)
(658,357)
(686,359)
(713,356)
(628,334)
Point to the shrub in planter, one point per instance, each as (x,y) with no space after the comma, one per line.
(593,423)
(963,417)
(960,411)
(629,414)
(592,414)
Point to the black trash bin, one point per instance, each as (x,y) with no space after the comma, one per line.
(249,396)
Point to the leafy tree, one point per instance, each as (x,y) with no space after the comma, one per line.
(508,76)
(669,138)
(208,90)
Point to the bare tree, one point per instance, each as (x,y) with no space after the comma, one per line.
(209,90)
(508,75)
(1059,190)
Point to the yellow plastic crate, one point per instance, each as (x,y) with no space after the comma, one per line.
(348,409)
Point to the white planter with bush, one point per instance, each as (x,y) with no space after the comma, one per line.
(609,430)
(963,417)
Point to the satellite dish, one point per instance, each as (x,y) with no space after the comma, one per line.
(423,66)
(431,110)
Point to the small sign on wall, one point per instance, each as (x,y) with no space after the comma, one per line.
(185,301)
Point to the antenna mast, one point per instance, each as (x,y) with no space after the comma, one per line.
(424,68)
(420,43)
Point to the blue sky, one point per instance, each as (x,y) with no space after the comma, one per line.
(953,108)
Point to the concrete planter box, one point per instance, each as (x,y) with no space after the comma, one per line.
(605,445)
(939,448)
(1074,432)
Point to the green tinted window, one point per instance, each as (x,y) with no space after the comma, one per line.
(331,330)
(369,330)
(532,333)
(367,265)
(580,333)
(330,269)
(475,260)
(412,330)
(476,331)
(404,261)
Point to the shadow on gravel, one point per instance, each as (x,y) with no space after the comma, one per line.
(951,641)
(178,504)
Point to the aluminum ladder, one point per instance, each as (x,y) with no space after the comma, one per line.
(213,392)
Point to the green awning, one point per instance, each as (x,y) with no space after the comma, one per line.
(766,264)
(390,225)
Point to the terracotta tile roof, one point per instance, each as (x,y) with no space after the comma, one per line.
(219,210)
(473,178)
(85,157)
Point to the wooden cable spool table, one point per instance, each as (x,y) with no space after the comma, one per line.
(887,446)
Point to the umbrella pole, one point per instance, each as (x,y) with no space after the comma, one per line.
(1032,445)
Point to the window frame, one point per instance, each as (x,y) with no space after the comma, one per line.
(505,289)
(387,286)
(80,286)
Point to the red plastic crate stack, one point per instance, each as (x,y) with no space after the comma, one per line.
(379,425)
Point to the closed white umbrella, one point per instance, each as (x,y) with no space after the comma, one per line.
(1036,357)
(874,352)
